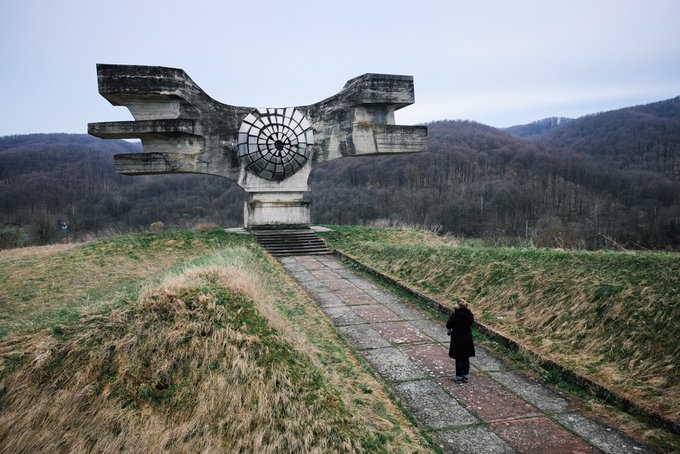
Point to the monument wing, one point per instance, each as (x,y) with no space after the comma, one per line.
(184,130)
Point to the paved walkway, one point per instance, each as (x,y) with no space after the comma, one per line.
(498,411)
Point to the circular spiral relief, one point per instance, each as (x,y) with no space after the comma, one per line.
(274,143)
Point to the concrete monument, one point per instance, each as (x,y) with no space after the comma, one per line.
(269,152)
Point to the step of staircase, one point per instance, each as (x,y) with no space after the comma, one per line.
(283,243)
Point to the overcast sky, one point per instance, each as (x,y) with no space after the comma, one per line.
(499,62)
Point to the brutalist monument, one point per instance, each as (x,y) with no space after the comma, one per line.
(269,152)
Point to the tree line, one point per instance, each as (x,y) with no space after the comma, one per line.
(605,180)
(479,181)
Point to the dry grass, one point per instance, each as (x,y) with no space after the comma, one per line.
(36,251)
(385,231)
(221,356)
(48,284)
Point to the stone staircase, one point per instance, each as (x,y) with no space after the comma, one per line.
(284,243)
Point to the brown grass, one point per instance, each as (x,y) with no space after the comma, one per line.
(222,357)
(43,284)
(36,251)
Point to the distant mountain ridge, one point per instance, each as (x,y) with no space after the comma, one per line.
(611,178)
(537,127)
(644,137)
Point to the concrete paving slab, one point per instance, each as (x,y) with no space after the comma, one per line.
(375,313)
(303,276)
(399,333)
(310,262)
(393,365)
(339,284)
(343,315)
(431,405)
(540,435)
(473,440)
(434,329)
(294,267)
(431,358)
(485,361)
(362,283)
(533,392)
(326,275)
(605,438)
(364,336)
(315,286)
(379,295)
(330,262)
(489,400)
(407,311)
(355,298)
(346,274)
(327,299)
(288,260)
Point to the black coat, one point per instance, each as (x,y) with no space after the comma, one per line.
(460,323)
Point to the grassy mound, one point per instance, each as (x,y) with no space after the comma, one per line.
(612,316)
(221,355)
(47,285)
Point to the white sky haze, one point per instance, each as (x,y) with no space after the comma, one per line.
(500,62)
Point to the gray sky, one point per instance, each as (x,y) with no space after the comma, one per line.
(498,62)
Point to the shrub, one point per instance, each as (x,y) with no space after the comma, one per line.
(157,226)
(12,236)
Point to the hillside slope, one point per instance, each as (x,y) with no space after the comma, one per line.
(643,138)
(221,353)
(538,127)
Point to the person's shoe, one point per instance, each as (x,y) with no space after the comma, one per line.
(465,379)
(458,380)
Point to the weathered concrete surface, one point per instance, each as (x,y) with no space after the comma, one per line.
(532,391)
(498,411)
(268,152)
(604,438)
(432,405)
(540,435)
(489,401)
(474,440)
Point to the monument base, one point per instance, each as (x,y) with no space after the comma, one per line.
(276,211)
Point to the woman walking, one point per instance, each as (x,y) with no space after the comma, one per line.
(462,346)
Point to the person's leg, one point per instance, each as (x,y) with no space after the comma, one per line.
(459,370)
(465,368)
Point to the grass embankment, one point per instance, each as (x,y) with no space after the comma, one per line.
(611,316)
(219,353)
(47,285)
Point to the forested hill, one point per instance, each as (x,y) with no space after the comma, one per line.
(610,179)
(537,127)
(47,177)
(635,138)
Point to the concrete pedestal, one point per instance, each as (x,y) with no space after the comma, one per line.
(276,211)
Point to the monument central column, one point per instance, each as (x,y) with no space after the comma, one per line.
(274,149)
